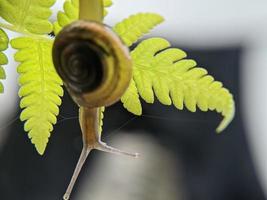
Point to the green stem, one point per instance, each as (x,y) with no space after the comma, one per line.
(91,10)
(15,29)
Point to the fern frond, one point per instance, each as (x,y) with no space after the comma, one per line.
(25,15)
(3,59)
(107,3)
(130,99)
(132,28)
(101,117)
(163,72)
(40,89)
(71,13)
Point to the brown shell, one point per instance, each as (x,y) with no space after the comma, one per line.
(93,62)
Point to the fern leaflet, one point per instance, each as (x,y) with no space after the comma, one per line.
(130,99)
(172,79)
(3,59)
(40,88)
(132,28)
(30,16)
(101,111)
(71,13)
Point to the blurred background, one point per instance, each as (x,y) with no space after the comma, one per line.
(181,156)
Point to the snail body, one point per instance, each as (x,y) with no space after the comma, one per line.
(96,69)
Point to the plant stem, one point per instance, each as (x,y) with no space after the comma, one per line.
(91,10)
(14,29)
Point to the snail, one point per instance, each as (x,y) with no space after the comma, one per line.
(96,69)
(93,63)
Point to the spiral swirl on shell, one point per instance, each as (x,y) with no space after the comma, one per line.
(93,63)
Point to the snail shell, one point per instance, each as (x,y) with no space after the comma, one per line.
(93,63)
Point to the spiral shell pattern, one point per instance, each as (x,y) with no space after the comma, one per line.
(93,63)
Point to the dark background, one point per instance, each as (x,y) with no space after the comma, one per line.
(216,167)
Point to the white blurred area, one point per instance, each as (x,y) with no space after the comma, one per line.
(202,24)
(156,174)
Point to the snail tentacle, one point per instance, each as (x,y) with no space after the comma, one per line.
(84,154)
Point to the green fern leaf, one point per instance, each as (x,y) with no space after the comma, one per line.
(25,15)
(107,3)
(132,28)
(172,79)
(71,13)
(40,89)
(131,101)
(101,117)
(3,59)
